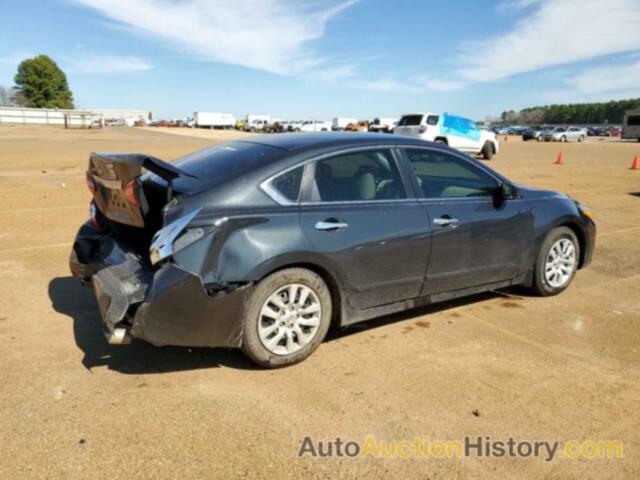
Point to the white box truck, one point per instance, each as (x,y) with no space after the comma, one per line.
(213,120)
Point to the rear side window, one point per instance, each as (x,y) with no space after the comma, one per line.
(432,119)
(442,175)
(410,121)
(357,176)
(223,163)
(633,120)
(288,184)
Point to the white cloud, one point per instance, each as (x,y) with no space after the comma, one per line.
(607,79)
(270,35)
(604,83)
(556,32)
(105,64)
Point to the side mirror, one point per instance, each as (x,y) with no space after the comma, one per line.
(504,192)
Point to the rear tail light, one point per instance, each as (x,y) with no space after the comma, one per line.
(423,128)
(131,192)
(91,184)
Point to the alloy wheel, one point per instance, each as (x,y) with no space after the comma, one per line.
(289,319)
(560,263)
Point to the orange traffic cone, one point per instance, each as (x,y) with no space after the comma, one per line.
(560,159)
(636,163)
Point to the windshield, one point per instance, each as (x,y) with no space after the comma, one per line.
(410,120)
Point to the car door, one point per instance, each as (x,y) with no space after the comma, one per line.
(475,240)
(357,215)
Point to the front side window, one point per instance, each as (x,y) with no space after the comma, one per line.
(442,175)
(366,175)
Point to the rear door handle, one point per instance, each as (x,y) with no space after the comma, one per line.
(328,225)
(445,221)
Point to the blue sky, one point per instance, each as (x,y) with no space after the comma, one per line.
(320,59)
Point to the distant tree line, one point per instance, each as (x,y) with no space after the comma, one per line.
(39,83)
(579,113)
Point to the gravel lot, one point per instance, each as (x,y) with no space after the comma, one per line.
(72,406)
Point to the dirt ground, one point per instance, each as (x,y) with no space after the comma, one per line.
(71,406)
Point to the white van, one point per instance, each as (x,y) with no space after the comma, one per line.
(457,132)
(631,125)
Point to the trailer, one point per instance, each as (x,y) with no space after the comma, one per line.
(213,120)
(631,125)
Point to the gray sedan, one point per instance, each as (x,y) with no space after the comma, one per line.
(565,134)
(266,243)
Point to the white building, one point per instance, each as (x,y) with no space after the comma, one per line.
(76,118)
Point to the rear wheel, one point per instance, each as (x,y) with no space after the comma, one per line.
(557,262)
(487,151)
(563,138)
(440,140)
(581,138)
(288,316)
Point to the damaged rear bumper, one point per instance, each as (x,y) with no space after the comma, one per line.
(168,306)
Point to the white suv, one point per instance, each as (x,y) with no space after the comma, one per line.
(457,132)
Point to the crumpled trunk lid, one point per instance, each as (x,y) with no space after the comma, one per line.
(117,190)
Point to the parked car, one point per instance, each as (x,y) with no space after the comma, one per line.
(383,125)
(598,132)
(457,132)
(565,134)
(631,125)
(502,130)
(615,131)
(533,133)
(263,244)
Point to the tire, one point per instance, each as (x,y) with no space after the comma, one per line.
(487,151)
(259,325)
(440,140)
(547,284)
(563,139)
(581,138)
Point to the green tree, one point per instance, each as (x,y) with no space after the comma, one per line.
(41,84)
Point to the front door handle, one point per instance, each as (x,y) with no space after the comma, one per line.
(445,221)
(329,225)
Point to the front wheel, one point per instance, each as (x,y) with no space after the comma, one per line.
(287,318)
(557,262)
(563,139)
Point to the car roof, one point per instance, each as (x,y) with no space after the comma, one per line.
(295,142)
